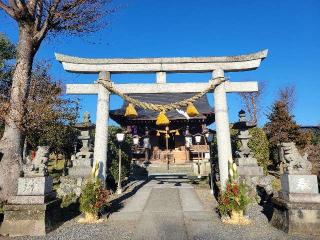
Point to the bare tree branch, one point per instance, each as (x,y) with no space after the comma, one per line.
(24,11)
(288,96)
(7,9)
(13,4)
(251,103)
(32,6)
(46,25)
(38,15)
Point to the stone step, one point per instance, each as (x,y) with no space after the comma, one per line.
(159,168)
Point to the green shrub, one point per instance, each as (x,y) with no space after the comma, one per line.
(93,197)
(260,147)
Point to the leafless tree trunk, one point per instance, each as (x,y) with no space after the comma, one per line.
(12,140)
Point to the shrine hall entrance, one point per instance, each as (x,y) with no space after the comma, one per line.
(162,142)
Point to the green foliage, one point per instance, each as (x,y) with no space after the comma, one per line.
(315,138)
(113,154)
(7,52)
(259,145)
(236,197)
(67,200)
(93,197)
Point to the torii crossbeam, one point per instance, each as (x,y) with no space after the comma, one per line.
(216,65)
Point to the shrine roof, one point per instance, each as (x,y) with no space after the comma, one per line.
(201,104)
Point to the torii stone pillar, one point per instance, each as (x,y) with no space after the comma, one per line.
(222,128)
(101,133)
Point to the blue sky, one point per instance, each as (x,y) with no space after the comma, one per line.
(151,28)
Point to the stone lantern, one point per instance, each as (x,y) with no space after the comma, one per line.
(83,160)
(247,163)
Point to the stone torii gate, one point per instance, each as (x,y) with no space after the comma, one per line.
(216,65)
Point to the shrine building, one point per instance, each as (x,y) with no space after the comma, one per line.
(174,140)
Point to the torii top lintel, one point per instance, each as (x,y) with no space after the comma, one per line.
(174,64)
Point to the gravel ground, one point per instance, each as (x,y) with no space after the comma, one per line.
(74,230)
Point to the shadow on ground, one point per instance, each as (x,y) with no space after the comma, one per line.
(117,204)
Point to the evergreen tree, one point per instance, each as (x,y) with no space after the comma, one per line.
(281,126)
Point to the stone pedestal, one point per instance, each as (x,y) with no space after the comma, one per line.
(30,219)
(244,170)
(297,208)
(296,217)
(33,210)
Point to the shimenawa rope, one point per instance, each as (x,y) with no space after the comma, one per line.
(161,107)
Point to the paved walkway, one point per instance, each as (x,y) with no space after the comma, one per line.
(165,210)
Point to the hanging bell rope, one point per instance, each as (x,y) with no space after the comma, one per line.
(161,107)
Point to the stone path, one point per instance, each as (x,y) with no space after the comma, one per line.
(163,210)
(169,209)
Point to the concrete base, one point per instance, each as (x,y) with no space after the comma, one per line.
(41,199)
(296,218)
(30,220)
(250,171)
(80,171)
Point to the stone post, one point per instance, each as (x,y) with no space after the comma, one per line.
(222,127)
(101,137)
